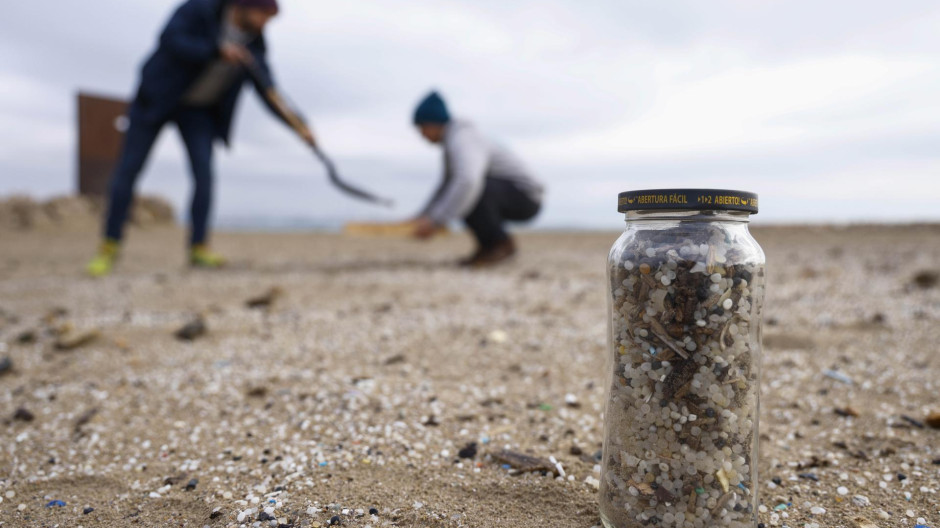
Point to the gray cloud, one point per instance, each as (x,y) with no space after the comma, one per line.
(598,97)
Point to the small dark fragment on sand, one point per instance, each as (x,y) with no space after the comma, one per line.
(524,463)
(26,337)
(54,314)
(84,419)
(172,481)
(395,360)
(191,485)
(86,511)
(257,392)
(74,340)
(933,419)
(468,451)
(24,415)
(913,421)
(926,279)
(6,366)
(192,330)
(266,300)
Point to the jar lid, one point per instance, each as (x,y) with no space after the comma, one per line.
(688,199)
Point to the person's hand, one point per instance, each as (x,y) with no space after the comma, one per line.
(424,228)
(307,135)
(235,53)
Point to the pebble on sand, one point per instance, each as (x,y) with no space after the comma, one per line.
(6,365)
(933,419)
(847,412)
(192,330)
(24,415)
(266,300)
(76,339)
(926,279)
(468,451)
(26,337)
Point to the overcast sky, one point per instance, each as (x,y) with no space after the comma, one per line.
(829,110)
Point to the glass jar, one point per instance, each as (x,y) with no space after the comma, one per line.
(686,289)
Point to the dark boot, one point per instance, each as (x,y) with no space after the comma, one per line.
(491,256)
(470,259)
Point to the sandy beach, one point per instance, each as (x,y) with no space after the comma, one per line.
(381,377)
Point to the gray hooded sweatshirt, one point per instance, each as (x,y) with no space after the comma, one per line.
(469,159)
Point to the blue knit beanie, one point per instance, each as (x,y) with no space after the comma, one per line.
(432,109)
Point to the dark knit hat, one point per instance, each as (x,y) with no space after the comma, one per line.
(268,5)
(432,109)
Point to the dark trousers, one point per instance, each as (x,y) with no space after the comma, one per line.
(197,127)
(501,200)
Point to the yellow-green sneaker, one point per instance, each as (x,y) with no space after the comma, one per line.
(201,256)
(102,264)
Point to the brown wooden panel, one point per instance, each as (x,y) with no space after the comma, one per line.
(99,141)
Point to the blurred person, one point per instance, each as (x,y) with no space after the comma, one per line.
(193,79)
(484,184)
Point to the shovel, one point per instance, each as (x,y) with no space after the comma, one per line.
(291,116)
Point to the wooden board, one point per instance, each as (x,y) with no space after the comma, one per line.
(386,229)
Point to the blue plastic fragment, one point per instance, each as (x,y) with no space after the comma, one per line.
(921,526)
(323,464)
(506,466)
(55,503)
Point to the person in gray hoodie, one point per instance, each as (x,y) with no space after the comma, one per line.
(484,184)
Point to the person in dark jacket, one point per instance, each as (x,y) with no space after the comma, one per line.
(193,79)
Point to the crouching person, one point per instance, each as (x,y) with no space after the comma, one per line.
(484,184)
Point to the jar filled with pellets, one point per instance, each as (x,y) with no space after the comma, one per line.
(686,289)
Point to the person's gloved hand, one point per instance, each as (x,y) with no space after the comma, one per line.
(424,228)
(235,53)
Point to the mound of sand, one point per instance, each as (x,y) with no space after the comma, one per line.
(22,213)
